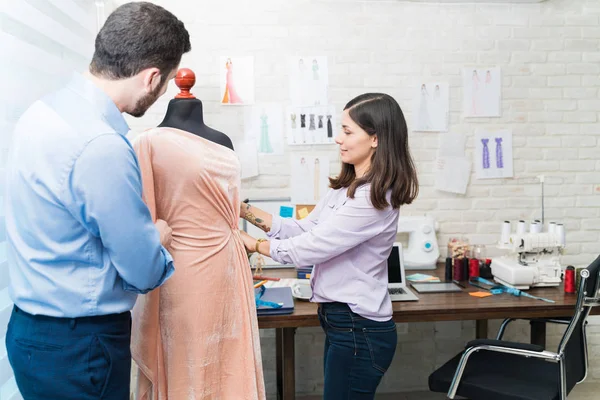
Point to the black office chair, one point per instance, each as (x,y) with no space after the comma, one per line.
(491,369)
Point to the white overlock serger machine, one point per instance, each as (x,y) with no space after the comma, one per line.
(422,251)
(534,257)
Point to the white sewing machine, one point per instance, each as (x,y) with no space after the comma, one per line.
(533,261)
(422,251)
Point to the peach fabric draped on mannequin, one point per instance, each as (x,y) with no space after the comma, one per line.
(196,337)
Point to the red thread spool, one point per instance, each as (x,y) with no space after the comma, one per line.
(473,267)
(459,272)
(570,279)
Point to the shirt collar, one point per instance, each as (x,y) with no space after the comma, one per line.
(100,101)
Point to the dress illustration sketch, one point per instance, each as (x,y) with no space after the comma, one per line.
(317,173)
(424,118)
(485,162)
(488,92)
(265,143)
(475,94)
(302,69)
(315,69)
(230,96)
(311,125)
(499,155)
(436,93)
(305,172)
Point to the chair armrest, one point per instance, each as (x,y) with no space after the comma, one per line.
(504,343)
(562,321)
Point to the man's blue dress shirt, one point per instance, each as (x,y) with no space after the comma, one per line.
(81,241)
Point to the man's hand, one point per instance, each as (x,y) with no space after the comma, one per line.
(165,232)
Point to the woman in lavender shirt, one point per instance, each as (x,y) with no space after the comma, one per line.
(348,238)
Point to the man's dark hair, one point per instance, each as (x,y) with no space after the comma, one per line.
(137,36)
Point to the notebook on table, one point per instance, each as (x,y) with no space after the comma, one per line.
(280,295)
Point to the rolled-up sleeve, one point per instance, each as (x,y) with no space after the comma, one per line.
(353,223)
(106,191)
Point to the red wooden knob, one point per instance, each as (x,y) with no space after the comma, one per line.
(184,80)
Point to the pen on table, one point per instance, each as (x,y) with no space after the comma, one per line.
(459,284)
(259,284)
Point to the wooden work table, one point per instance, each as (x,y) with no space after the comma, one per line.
(430,307)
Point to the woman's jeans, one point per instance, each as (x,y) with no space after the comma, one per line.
(358,351)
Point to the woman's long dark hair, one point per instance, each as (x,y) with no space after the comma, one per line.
(392,166)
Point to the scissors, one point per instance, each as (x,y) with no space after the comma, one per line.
(495,289)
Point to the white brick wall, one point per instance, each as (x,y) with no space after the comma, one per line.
(41,43)
(550,58)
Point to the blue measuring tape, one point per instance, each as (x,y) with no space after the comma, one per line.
(262,303)
(499,289)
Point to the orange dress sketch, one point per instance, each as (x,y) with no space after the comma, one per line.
(196,337)
(230,96)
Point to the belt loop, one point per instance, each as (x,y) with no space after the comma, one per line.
(72,323)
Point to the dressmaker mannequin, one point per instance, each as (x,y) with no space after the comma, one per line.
(185,112)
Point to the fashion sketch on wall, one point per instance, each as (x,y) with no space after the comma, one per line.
(264,126)
(431,107)
(237,80)
(310,125)
(310,178)
(309,81)
(482,92)
(493,155)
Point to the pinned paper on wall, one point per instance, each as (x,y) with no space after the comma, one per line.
(303,213)
(286,212)
(248,156)
(482,92)
(452,174)
(264,124)
(237,80)
(310,125)
(452,169)
(493,155)
(431,107)
(303,210)
(309,81)
(310,178)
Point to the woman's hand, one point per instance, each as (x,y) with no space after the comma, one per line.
(249,242)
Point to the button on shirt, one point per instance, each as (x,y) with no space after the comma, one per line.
(81,241)
(348,241)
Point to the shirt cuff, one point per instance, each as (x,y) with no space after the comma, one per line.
(275,226)
(168,272)
(274,250)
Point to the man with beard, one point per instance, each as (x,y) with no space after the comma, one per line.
(81,242)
